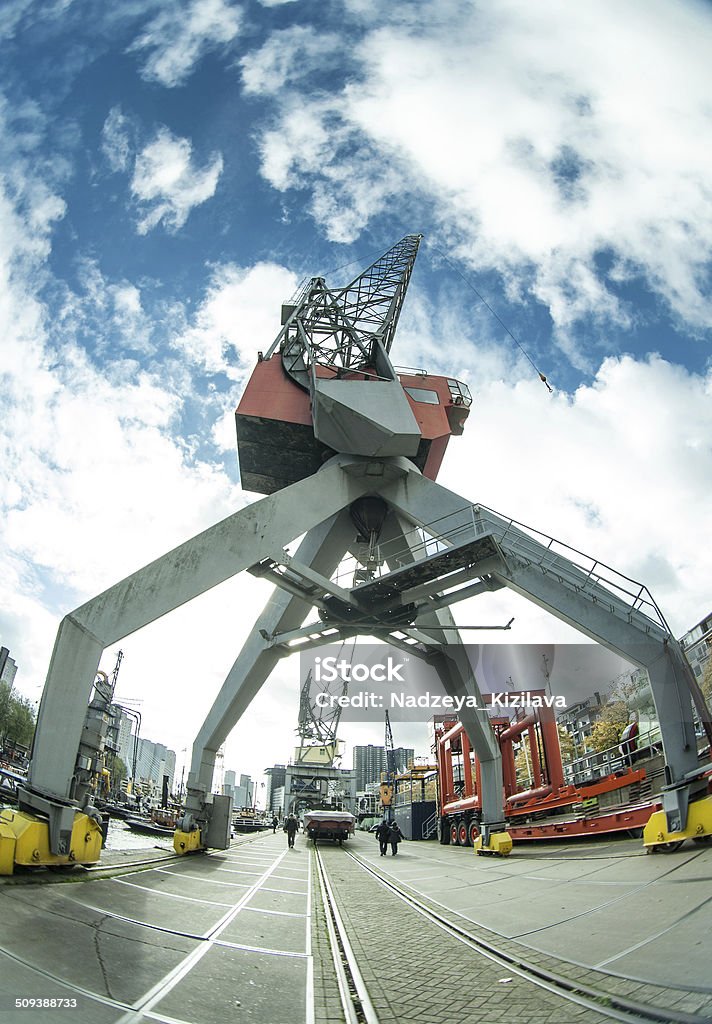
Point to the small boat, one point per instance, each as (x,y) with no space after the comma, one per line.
(332,825)
(160,823)
(245,820)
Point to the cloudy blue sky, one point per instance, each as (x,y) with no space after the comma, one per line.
(170,171)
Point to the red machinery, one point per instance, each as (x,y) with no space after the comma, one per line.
(275,428)
(550,808)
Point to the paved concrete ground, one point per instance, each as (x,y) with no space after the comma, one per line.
(229,937)
(203,940)
(606,904)
(415,971)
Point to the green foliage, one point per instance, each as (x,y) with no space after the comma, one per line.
(609,726)
(629,693)
(566,742)
(118,773)
(17,717)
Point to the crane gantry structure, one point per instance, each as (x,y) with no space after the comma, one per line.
(345,450)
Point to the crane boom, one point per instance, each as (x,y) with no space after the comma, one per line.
(342,329)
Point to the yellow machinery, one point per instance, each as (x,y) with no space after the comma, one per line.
(658,836)
(497,844)
(24,841)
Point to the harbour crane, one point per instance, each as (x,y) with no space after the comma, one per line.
(345,449)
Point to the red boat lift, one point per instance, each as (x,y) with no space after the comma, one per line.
(551,807)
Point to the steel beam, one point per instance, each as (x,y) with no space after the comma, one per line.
(191,569)
(449,658)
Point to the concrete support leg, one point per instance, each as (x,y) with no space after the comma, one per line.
(191,569)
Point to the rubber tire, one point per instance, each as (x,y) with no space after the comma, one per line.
(453,833)
(443,832)
(463,837)
(474,832)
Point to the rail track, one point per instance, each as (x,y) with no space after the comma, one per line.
(599,999)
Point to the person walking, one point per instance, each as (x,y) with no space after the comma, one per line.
(395,836)
(291,826)
(383,834)
(275,822)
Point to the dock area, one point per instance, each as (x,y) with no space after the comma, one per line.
(248,935)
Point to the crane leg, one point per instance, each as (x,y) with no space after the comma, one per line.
(59,784)
(322,548)
(458,679)
(574,595)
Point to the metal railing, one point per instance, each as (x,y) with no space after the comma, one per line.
(429,826)
(573,568)
(596,764)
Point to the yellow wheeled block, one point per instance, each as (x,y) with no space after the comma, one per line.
(187,842)
(699,826)
(24,841)
(500,845)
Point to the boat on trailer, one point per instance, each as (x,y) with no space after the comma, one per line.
(329,825)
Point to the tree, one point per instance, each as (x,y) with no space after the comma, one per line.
(522,761)
(630,692)
(566,743)
(118,772)
(608,727)
(17,718)
(5,699)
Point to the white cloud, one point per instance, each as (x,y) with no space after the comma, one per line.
(238,318)
(305,150)
(95,479)
(180,35)
(116,142)
(166,183)
(288,56)
(551,138)
(619,470)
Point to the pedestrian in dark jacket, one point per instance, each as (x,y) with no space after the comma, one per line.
(290,827)
(383,834)
(275,822)
(395,836)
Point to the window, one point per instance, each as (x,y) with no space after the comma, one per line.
(424,395)
(459,392)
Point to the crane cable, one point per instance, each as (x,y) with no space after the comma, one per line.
(494,313)
(479,295)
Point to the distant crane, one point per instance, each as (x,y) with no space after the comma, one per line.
(388,783)
(318,724)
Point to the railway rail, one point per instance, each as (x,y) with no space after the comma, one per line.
(574,995)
